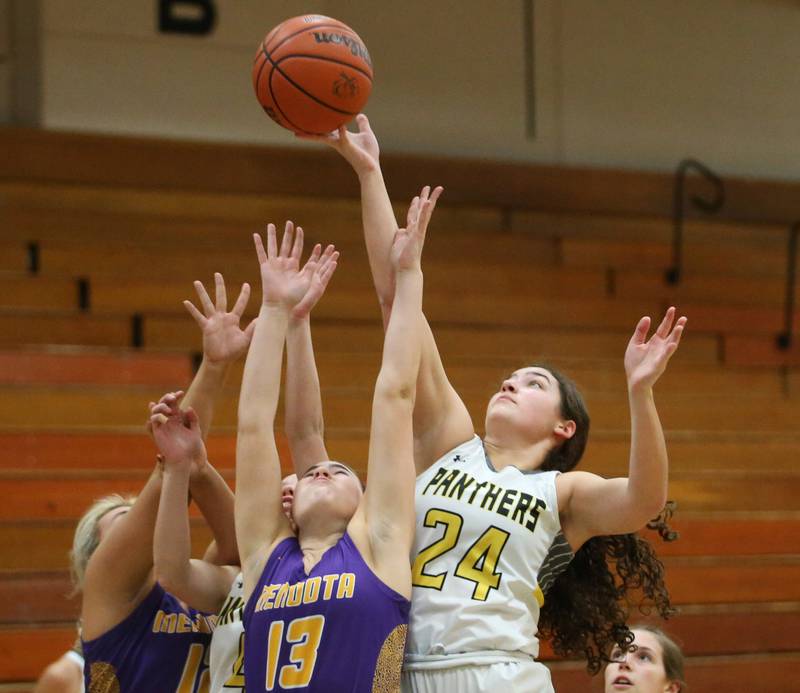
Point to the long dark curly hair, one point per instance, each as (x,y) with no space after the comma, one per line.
(587,607)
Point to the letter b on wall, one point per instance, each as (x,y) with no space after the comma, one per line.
(195,17)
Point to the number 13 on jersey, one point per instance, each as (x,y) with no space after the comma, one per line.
(302,636)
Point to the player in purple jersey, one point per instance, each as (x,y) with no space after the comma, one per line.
(137,637)
(327,610)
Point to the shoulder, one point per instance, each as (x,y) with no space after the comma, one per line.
(64,675)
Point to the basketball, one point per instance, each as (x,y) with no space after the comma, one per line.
(312,74)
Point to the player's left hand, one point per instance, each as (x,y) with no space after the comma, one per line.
(224,340)
(646,359)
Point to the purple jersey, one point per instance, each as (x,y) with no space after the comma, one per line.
(338,629)
(161,647)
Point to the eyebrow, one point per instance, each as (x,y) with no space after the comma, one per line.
(336,464)
(540,374)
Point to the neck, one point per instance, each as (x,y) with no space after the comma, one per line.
(315,542)
(525,456)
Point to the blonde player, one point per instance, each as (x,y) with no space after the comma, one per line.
(65,675)
(510,541)
(134,632)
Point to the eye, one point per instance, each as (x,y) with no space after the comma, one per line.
(616,654)
(535,383)
(645,656)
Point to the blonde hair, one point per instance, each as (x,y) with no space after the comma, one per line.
(87,534)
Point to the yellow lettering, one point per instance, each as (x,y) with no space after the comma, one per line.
(157,621)
(280,598)
(311,593)
(329,582)
(169,623)
(295,594)
(347,584)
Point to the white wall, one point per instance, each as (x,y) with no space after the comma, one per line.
(647,81)
(632,83)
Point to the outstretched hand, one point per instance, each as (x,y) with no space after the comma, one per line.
(646,359)
(283,283)
(360,149)
(321,268)
(407,243)
(176,432)
(223,339)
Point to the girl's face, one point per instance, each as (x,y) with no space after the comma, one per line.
(641,671)
(528,406)
(328,487)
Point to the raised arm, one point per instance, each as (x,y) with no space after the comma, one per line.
(200,584)
(441,420)
(303,420)
(260,521)
(642,495)
(224,342)
(118,574)
(387,509)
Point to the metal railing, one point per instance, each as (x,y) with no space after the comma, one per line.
(673,274)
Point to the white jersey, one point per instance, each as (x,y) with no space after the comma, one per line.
(227,643)
(488,545)
(76,655)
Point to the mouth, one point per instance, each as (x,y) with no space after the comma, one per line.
(505,398)
(622,681)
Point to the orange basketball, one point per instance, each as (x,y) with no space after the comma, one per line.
(312,74)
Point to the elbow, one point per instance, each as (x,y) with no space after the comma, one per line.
(171,579)
(392,387)
(650,508)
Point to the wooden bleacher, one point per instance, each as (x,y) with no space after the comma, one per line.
(102,237)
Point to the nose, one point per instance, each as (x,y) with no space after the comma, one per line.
(623,664)
(321,471)
(508,386)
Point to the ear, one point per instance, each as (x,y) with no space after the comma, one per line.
(674,687)
(565,429)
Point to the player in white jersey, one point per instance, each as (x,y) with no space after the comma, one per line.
(214,584)
(496,533)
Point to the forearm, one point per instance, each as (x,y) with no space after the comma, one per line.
(648,471)
(215,500)
(258,400)
(172,537)
(402,343)
(257,465)
(203,392)
(379,228)
(303,420)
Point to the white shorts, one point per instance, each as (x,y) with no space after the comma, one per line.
(475,673)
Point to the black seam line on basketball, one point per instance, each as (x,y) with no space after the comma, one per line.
(297,128)
(311,28)
(319,57)
(299,88)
